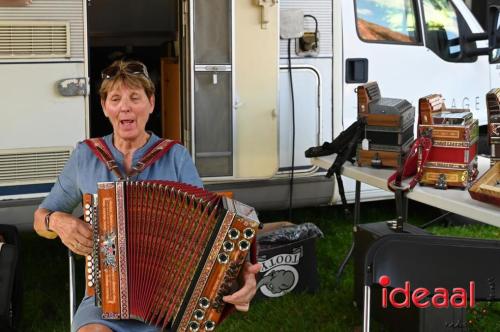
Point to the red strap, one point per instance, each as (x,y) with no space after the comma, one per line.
(102,152)
(153,154)
(413,165)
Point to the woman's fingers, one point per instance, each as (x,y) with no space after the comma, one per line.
(74,233)
(241,298)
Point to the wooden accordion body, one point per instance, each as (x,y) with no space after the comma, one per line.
(165,253)
(452,161)
(487,187)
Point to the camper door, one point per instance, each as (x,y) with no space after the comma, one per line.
(233,92)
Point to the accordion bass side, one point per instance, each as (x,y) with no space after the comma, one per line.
(165,253)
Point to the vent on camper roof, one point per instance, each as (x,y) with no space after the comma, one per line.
(34,39)
(27,166)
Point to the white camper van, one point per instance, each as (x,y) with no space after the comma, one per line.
(223,82)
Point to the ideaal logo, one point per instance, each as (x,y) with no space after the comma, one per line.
(280,277)
(420,296)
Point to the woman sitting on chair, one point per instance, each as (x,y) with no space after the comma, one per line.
(127,99)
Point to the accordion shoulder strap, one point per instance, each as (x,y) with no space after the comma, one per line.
(153,154)
(412,166)
(102,152)
(99,147)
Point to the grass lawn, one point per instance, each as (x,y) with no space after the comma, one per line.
(46,278)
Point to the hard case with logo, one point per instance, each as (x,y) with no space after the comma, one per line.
(408,319)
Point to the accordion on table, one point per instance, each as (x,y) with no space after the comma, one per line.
(487,187)
(452,161)
(493,106)
(165,253)
(389,128)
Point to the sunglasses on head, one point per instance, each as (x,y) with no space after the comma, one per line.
(132,68)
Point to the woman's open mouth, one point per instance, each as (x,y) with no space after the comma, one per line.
(126,124)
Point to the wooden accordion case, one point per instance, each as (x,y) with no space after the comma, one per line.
(165,253)
(389,128)
(487,187)
(452,161)
(493,106)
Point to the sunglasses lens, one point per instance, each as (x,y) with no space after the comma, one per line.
(132,68)
(110,72)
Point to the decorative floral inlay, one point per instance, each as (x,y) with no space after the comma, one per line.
(108,249)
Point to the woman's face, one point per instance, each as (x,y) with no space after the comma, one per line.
(128,110)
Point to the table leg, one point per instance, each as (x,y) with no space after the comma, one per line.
(401,211)
(357,208)
(357,204)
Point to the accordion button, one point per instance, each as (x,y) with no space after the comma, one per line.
(87,206)
(89,270)
(87,212)
(204,302)
(87,219)
(89,277)
(199,314)
(90,284)
(194,326)
(248,233)
(234,233)
(222,258)
(228,246)
(209,325)
(244,245)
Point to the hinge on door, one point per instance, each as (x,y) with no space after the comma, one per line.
(70,87)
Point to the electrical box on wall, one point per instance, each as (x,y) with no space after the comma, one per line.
(291,24)
(308,43)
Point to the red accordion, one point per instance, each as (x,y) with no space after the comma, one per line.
(165,253)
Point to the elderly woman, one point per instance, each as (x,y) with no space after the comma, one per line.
(127,99)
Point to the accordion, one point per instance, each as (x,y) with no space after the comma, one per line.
(165,253)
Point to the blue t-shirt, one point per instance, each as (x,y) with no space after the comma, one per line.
(83,170)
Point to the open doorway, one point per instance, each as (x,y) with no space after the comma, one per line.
(147,32)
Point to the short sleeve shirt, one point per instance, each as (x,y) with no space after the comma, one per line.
(84,170)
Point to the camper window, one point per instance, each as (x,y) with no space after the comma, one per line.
(387,21)
(443,33)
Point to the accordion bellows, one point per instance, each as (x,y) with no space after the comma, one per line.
(165,253)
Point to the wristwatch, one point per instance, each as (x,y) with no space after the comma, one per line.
(47,221)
